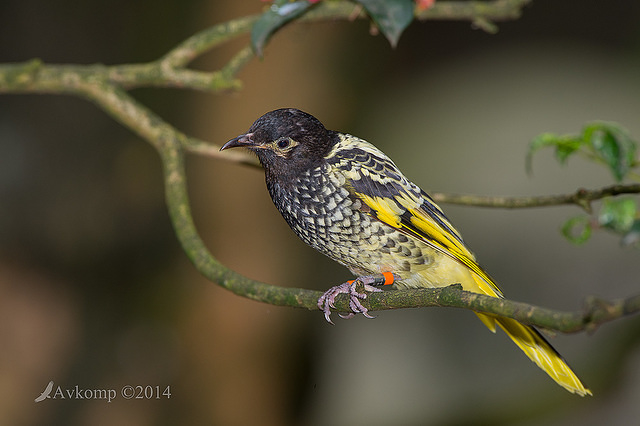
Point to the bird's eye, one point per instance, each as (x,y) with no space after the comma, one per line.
(284,143)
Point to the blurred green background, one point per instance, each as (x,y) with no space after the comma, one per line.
(95,291)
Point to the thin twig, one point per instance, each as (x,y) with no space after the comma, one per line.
(581,198)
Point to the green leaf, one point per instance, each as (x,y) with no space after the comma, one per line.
(542,141)
(280,12)
(618,215)
(392,17)
(607,143)
(577,229)
(613,145)
(564,145)
(565,148)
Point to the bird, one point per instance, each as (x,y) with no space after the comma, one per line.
(347,199)
(45,393)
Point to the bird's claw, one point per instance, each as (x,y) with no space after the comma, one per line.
(327,300)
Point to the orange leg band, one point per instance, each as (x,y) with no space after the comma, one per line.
(388,278)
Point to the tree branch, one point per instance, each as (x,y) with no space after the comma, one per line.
(581,198)
(169,70)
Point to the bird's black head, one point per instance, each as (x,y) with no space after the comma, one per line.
(287,142)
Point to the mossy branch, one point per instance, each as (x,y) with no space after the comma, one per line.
(171,70)
(106,86)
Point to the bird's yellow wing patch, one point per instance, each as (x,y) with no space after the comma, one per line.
(385,209)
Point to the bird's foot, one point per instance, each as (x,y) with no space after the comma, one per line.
(326,301)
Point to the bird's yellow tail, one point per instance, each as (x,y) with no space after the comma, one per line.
(527,338)
(539,351)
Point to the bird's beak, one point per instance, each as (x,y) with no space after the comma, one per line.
(241,141)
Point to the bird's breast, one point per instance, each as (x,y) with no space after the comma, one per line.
(320,209)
